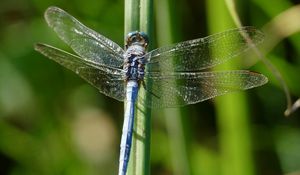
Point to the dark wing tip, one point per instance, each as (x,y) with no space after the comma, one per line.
(264,79)
(259,78)
(256,35)
(43,48)
(38,46)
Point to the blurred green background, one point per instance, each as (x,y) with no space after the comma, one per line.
(52,122)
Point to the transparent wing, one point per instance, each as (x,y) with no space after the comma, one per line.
(203,53)
(179,89)
(85,42)
(108,80)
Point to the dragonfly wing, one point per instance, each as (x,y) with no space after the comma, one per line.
(108,80)
(203,53)
(85,42)
(179,89)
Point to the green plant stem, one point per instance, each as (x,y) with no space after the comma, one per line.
(138,17)
(132,16)
(146,17)
(232,111)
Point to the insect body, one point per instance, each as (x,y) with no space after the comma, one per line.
(98,60)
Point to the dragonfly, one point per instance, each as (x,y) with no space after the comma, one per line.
(179,74)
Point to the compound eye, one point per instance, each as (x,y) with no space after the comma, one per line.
(133,38)
(144,36)
(130,38)
(130,34)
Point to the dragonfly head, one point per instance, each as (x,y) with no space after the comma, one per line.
(136,38)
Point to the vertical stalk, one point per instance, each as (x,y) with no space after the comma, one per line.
(138,16)
(146,17)
(232,111)
(144,113)
(132,16)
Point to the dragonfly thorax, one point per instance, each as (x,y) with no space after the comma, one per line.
(134,63)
